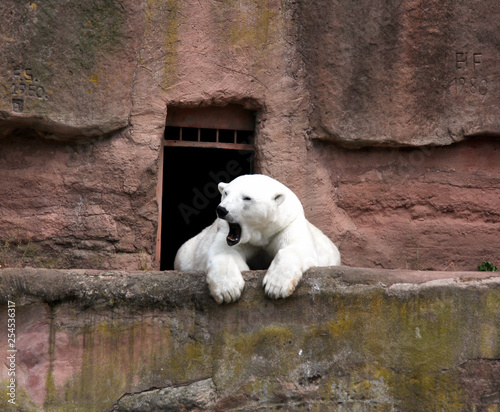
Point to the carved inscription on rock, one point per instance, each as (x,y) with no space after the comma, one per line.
(25,86)
(402,73)
(469,78)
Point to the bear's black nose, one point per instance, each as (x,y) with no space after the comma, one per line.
(221,211)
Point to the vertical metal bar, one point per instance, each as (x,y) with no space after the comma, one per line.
(217,135)
(159,197)
(180,133)
(235,136)
(199,134)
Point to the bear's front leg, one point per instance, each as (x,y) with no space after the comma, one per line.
(224,277)
(285,272)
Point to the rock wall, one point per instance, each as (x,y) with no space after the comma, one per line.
(70,204)
(402,72)
(348,339)
(85,91)
(431,208)
(67,67)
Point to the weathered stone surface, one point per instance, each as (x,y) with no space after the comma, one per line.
(348,339)
(67,68)
(194,397)
(431,208)
(402,72)
(77,204)
(96,204)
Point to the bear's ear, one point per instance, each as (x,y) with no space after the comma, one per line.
(221,186)
(279,198)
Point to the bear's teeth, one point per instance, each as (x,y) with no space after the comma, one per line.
(234,234)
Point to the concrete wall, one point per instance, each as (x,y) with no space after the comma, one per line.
(348,339)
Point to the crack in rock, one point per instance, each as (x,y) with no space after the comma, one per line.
(199,395)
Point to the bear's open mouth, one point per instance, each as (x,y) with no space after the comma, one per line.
(234,234)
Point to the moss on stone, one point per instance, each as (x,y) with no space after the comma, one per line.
(250,26)
(359,347)
(256,24)
(96,28)
(419,341)
(118,356)
(23,401)
(163,18)
(267,348)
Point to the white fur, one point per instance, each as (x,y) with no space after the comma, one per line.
(274,231)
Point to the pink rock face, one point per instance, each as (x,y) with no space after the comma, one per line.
(67,205)
(67,69)
(427,208)
(33,359)
(405,73)
(318,77)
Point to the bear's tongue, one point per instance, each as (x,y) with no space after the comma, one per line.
(234,234)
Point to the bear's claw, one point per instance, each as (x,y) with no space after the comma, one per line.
(277,290)
(227,293)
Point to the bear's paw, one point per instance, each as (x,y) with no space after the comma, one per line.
(277,285)
(225,289)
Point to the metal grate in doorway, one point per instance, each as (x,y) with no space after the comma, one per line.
(229,127)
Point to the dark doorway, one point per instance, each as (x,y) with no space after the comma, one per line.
(202,147)
(190,194)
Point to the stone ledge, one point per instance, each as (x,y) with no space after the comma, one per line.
(172,288)
(348,338)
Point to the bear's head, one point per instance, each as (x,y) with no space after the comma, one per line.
(256,207)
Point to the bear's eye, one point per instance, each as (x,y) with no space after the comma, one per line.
(247,198)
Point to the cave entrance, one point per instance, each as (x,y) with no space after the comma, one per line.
(202,147)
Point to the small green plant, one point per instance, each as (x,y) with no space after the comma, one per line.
(18,252)
(13,252)
(416,263)
(144,264)
(487,266)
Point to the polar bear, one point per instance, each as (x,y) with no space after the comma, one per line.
(260,224)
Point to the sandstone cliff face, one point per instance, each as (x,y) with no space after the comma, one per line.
(431,208)
(85,91)
(402,72)
(67,67)
(70,204)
